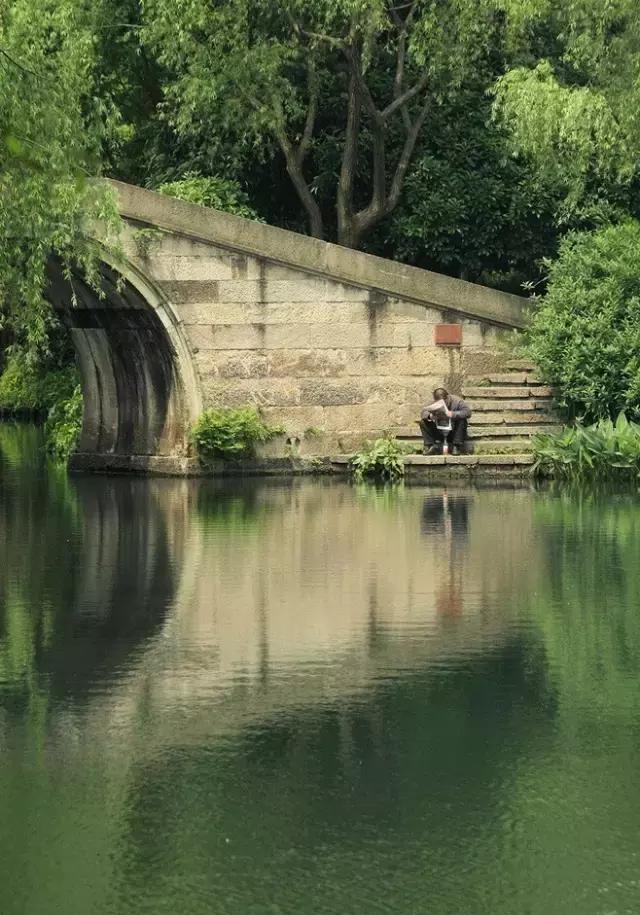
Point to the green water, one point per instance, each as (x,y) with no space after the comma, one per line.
(306,698)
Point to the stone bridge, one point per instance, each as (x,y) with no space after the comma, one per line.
(206,309)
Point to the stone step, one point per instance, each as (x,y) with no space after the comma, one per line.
(438,460)
(477,432)
(524,431)
(484,460)
(498,417)
(506,392)
(521,365)
(525,405)
(490,446)
(490,378)
(506,445)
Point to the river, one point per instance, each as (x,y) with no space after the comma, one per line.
(269,697)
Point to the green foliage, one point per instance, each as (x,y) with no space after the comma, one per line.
(464,195)
(52,125)
(380,460)
(27,386)
(64,425)
(601,452)
(230,434)
(260,74)
(215,192)
(585,334)
(571,107)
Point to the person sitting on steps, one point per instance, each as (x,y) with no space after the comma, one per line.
(457,411)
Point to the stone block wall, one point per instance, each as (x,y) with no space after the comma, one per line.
(334,363)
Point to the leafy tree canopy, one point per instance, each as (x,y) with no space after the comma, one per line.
(259,72)
(51,130)
(572,106)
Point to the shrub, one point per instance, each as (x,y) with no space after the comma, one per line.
(26,386)
(230,434)
(381,460)
(63,425)
(601,452)
(585,334)
(218,193)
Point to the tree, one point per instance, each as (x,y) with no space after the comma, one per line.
(52,127)
(464,195)
(585,334)
(572,107)
(258,71)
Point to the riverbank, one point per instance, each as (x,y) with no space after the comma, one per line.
(416,466)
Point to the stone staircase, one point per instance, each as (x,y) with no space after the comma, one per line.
(508,409)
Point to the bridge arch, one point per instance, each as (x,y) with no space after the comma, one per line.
(141,391)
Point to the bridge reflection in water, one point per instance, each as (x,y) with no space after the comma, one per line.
(313,698)
(252,599)
(230,692)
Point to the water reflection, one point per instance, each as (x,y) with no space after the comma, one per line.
(307,697)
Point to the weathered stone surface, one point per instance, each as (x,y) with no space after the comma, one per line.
(298,336)
(307,289)
(494,393)
(424,460)
(498,378)
(525,405)
(513,418)
(468,460)
(295,313)
(309,254)
(203,268)
(430,366)
(500,459)
(314,335)
(478,431)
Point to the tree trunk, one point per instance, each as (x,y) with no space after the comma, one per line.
(309,202)
(346,180)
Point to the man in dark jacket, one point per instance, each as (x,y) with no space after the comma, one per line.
(456,414)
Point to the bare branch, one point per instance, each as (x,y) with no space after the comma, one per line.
(405,158)
(16,63)
(412,6)
(312,110)
(402,6)
(294,168)
(319,36)
(367,98)
(406,96)
(398,79)
(349,157)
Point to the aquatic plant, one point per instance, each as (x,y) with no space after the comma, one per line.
(380,460)
(230,434)
(603,451)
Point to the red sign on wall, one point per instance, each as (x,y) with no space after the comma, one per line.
(448,334)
